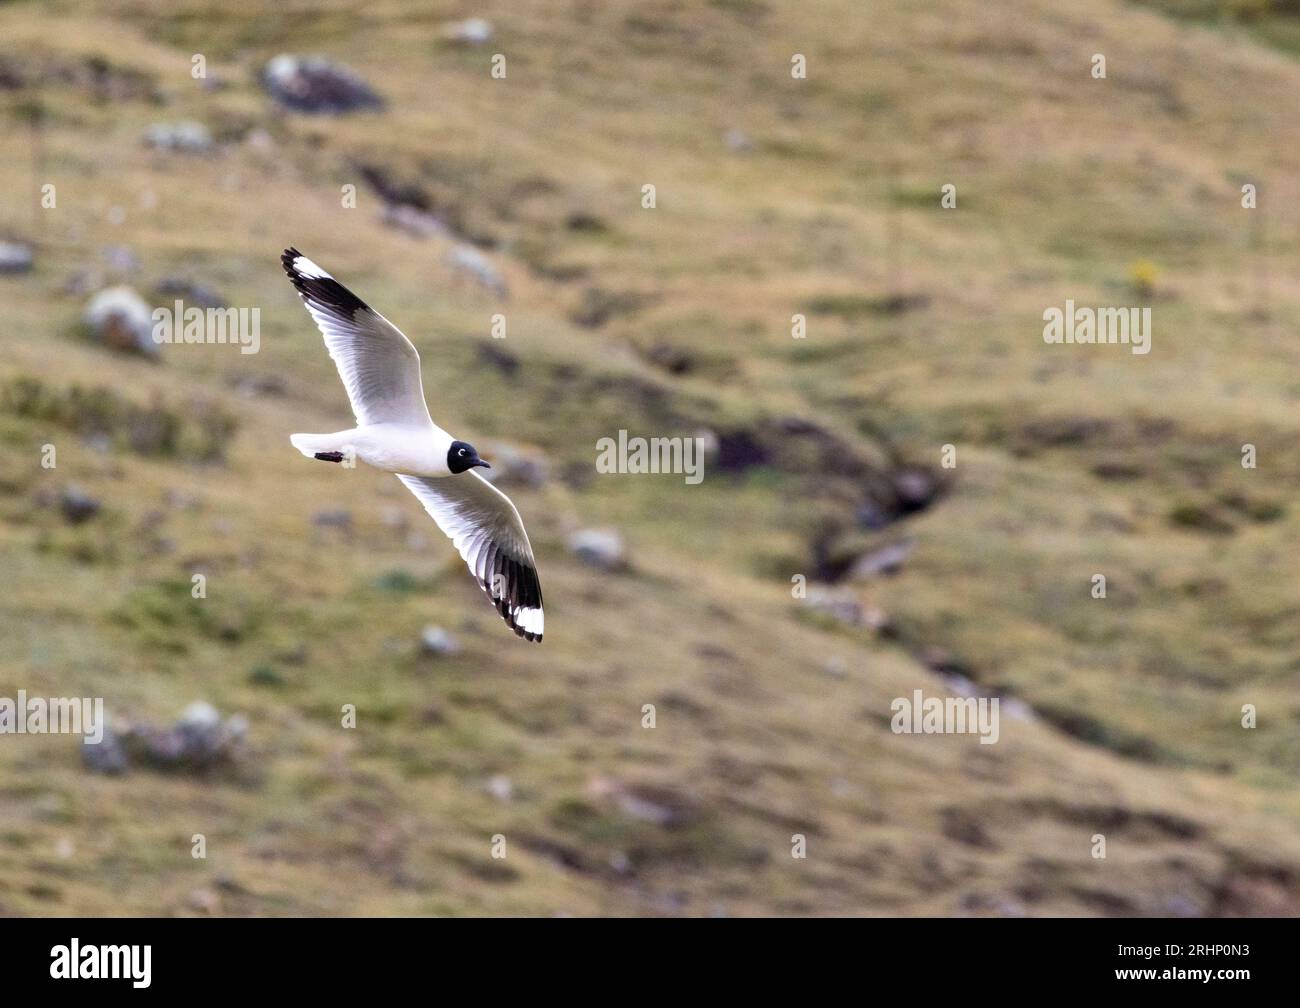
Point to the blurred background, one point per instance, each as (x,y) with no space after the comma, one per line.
(829,561)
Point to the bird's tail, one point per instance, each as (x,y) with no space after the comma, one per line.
(312,444)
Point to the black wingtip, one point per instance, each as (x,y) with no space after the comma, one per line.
(508,614)
(521,589)
(323,290)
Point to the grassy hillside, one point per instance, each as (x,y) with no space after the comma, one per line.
(775,196)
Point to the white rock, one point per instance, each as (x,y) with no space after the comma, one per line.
(15,258)
(601,548)
(471,31)
(121,319)
(466,260)
(188,136)
(200,714)
(437,641)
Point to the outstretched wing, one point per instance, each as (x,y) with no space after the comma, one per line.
(488,533)
(379,366)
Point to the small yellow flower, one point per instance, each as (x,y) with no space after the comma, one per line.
(1142,275)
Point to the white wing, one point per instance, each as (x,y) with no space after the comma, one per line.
(488,533)
(379,366)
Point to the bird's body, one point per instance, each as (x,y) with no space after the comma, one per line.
(396,448)
(380,369)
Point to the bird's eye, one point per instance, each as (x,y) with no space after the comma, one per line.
(463,452)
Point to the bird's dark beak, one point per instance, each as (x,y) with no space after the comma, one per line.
(481,462)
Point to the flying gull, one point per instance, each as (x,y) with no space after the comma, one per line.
(380,369)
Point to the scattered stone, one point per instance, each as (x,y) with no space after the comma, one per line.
(187,136)
(639,807)
(317,85)
(501,788)
(412,220)
(960,685)
(181,500)
(843,606)
(81,282)
(119,318)
(1014,707)
(466,260)
(599,548)
(873,516)
(333,518)
(98,442)
(120,259)
(395,518)
(472,31)
(15,258)
(887,559)
(205,901)
(740,450)
(649,803)
(107,756)
(215,82)
(709,443)
(151,521)
(710,651)
(257,385)
(190,292)
(513,467)
(737,141)
(916,488)
(259,139)
(201,739)
(879,621)
(12,76)
(77,505)
(434,640)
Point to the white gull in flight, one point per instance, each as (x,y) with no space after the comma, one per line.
(380,369)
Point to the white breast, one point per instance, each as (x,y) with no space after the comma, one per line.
(418,451)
